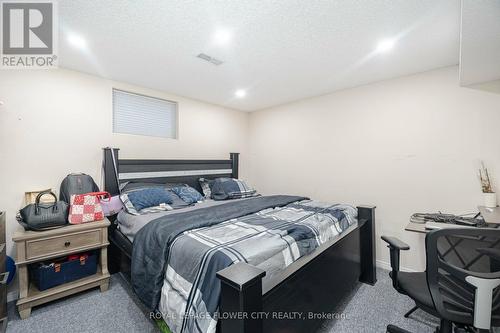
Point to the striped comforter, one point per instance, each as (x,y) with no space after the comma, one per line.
(270,239)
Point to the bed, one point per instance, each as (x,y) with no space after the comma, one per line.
(262,264)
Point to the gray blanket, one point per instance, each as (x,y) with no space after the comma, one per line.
(152,243)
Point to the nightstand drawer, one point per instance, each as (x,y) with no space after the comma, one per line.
(59,244)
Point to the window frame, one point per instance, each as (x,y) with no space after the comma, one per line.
(113,114)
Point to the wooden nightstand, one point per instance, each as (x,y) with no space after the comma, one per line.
(36,246)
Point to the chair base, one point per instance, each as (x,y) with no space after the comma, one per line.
(445,326)
(415,308)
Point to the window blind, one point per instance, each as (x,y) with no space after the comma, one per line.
(144,115)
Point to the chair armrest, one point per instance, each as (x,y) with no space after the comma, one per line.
(395,243)
(395,247)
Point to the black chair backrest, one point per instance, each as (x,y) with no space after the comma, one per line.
(454,254)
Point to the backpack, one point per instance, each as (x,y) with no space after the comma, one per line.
(76,183)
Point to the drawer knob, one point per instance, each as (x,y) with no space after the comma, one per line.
(67,244)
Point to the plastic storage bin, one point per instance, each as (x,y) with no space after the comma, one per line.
(50,274)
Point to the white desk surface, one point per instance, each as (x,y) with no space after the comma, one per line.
(416,227)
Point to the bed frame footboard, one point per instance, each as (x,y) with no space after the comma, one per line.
(366,216)
(241,298)
(308,294)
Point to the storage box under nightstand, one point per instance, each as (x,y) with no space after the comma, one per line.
(54,273)
(37,246)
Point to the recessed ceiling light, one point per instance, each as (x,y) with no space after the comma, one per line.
(77,41)
(222,36)
(240,93)
(385,45)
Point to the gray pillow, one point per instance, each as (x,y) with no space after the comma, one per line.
(147,200)
(231,188)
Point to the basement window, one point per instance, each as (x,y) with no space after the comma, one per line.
(144,115)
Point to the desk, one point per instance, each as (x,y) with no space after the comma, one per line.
(490,215)
(416,227)
(449,248)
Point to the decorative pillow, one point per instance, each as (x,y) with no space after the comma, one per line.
(146,200)
(230,188)
(177,202)
(206,187)
(188,194)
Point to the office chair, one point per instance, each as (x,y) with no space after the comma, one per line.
(460,284)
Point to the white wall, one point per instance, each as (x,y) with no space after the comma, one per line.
(411,144)
(56,122)
(406,145)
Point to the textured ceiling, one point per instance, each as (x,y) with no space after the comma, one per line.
(280,51)
(480,43)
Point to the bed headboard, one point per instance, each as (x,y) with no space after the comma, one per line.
(164,171)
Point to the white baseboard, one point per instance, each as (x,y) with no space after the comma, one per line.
(387,266)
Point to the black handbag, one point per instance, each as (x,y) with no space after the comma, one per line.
(41,216)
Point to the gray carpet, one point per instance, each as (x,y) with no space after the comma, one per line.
(367,309)
(116,310)
(372,308)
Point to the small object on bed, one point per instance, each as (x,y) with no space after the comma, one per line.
(188,194)
(146,200)
(206,187)
(230,188)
